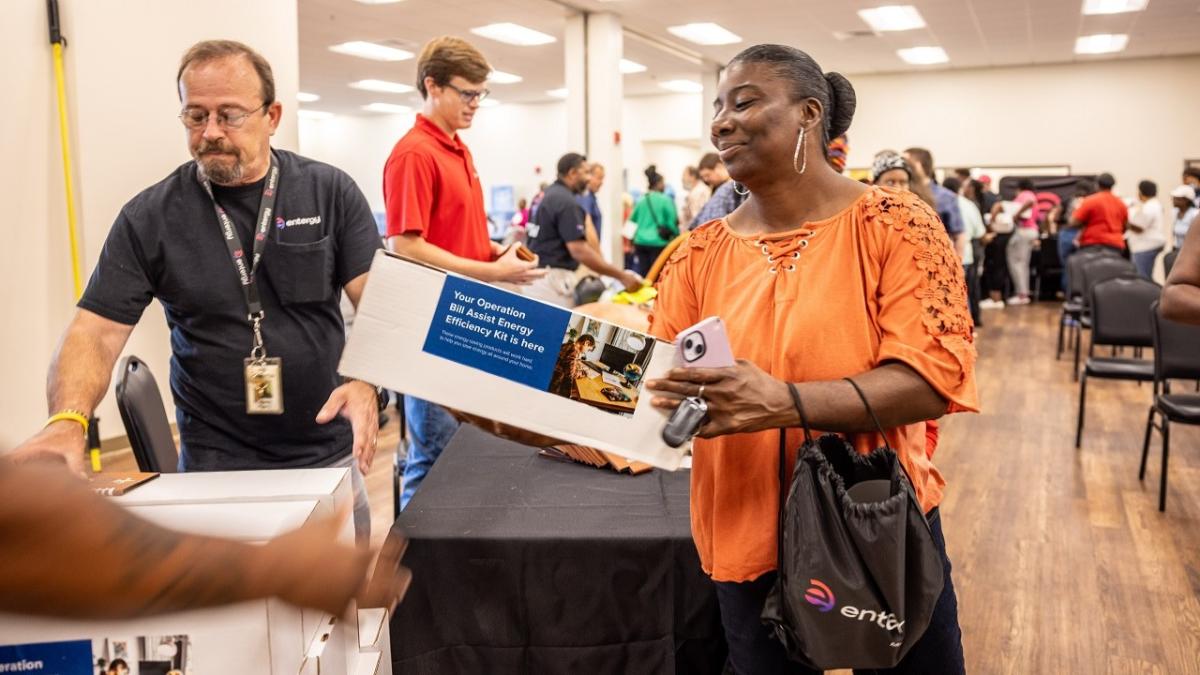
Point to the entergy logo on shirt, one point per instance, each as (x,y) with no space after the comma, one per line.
(296,222)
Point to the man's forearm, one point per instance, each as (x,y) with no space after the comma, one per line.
(82,367)
(416,247)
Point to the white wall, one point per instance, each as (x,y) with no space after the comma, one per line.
(120,66)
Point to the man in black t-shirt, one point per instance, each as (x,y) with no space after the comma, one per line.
(557,236)
(169,243)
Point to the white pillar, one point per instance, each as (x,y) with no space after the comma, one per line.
(575,71)
(710,74)
(594,45)
(605,98)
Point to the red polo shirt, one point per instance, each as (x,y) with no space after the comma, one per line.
(430,186)
(1103,217)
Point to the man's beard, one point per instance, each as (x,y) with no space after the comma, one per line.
(218,169)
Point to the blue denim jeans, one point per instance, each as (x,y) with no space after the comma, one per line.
(430,428)
(1144,261)
(1067,237)
(753,651)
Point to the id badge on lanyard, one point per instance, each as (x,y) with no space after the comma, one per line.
(263,375)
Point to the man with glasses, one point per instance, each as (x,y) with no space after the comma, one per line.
(248,248)
(435,212)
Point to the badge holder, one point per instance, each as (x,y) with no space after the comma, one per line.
(264,376)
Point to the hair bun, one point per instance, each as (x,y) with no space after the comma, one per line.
(843,102)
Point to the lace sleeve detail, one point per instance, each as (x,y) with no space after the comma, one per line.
(942,290)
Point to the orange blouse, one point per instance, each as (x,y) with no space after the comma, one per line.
(877,282)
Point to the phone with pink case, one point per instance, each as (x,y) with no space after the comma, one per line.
(704,345)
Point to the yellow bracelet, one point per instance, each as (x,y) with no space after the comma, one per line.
(72,415)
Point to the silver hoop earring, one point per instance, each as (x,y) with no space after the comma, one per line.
(745,191)
(796,156)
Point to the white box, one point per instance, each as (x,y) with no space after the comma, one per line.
(489,352)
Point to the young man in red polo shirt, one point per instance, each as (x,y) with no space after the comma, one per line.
(1102,217)
(435,212)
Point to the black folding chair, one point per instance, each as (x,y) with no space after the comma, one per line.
(1072,307)
(1176,357)
(145,418)
(1095,270)
(1120,318)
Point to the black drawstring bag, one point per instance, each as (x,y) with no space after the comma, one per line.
(859,573)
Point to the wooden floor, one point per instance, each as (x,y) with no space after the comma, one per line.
(1062,562)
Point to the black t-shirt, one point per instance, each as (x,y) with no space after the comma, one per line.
(166,244)
(559,220)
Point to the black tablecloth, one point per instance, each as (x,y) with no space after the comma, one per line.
(523,564)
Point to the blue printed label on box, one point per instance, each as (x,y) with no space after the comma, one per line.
(501,333)
(48,658)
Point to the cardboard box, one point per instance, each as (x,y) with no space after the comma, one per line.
(496,354)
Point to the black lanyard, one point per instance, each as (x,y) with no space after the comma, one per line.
(245,272)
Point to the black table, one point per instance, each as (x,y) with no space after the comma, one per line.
(522,564)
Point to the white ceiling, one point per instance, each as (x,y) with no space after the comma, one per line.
(975,33)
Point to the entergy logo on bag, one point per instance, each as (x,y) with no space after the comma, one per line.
(821,596)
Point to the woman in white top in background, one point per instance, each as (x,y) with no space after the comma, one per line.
(1144,234)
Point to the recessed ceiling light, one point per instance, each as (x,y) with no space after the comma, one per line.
(392,108)
(304,97)
(501,77)
(561,92)
(892,18)
(513,34)
(923,56)
(628,67)
(371,50)
(313,114)
(383,86)
(704,34)
(1113,6)
(489,103)
(682,86)
(1103,43)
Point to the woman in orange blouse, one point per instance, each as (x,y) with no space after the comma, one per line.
(817,278)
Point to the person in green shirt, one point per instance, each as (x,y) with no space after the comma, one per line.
(656,220)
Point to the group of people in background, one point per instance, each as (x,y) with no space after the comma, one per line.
(995,238)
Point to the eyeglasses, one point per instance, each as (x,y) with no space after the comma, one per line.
(229,118)
(468,95)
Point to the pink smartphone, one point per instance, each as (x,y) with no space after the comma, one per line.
(704,345)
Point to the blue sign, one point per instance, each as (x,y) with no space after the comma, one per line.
(501,333)
(48,658)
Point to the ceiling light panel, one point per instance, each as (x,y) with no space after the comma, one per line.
(705,34)
(305,97)
(682,86)
(892,18)
(390,108)
(371,50)
(501,77)
(561,92)
(629,67)
(1103,43)
(923,56)
(383,86)
(513,34)
(1113,6)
